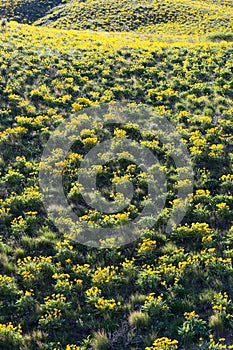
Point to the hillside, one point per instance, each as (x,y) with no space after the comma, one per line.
(175,17)
(166,290)
(182,16)
(151,82)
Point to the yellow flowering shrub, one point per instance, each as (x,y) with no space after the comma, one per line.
(163,343)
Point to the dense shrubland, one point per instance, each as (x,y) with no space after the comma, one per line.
(183,17)
(164,291)
(180,17)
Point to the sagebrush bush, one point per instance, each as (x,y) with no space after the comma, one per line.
(100,341)
(139,319)
(220,37)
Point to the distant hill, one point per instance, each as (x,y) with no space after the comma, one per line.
(26,10)
(184,16)
(173,16)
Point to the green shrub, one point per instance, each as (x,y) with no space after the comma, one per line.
(10,337)
(192,328)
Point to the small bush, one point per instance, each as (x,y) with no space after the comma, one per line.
(216,323)
(138,299)
(100,341)
(220,37)
(139,319)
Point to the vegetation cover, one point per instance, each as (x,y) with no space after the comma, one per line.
(162,16)
(163,291)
